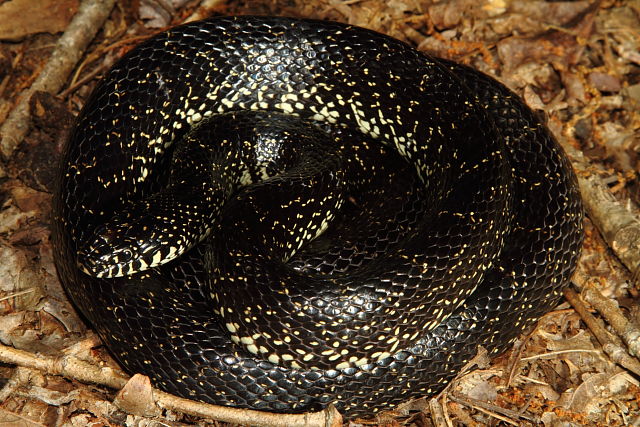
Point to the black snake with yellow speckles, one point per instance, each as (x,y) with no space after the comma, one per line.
(277,214)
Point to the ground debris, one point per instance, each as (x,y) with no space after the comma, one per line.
(576,60)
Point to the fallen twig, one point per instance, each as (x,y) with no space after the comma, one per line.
(608,308)
(611,345)
(620,228)
(67,53)
(503,414)
(66,366)
(71,367)
(437,413)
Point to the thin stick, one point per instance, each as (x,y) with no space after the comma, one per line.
(609,346)
(67,53)
(504,414)
(629,333)
(71,367)
(619,226)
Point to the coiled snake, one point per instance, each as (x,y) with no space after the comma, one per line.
(278,214)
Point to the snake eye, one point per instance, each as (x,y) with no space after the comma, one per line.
(125,255)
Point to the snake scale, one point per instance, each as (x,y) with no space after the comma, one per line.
(277,214)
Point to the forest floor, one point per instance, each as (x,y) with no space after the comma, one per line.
(578,61)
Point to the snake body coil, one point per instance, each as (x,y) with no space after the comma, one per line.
(277,214)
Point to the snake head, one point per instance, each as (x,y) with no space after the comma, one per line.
(116,251)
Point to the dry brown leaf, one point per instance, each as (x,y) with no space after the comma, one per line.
(20,18)
(596,390)
(8,418)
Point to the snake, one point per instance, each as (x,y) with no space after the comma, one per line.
(280,214)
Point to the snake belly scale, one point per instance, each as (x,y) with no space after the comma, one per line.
(443,215)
